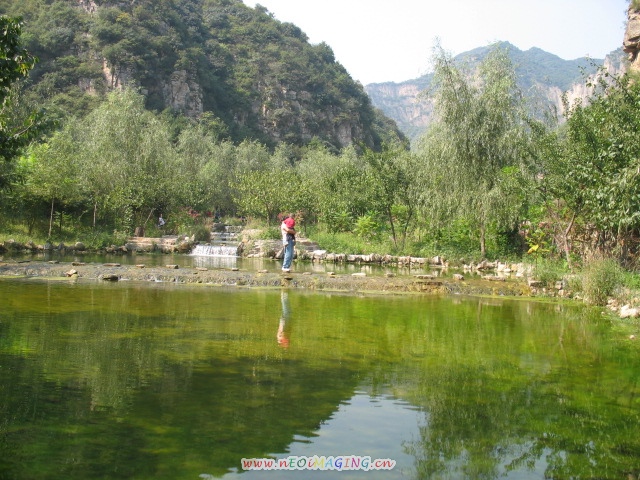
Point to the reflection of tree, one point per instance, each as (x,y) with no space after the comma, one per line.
(48,431)
(473,420)
(134,374)
(154,379)
(487,416)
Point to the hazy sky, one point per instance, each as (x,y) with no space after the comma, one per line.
(392,40)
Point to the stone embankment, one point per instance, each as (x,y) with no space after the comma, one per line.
(348,283)
(309,251)
(490,278)
(483,278)
(165,244)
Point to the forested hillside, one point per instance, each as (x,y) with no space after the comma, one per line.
(251,75)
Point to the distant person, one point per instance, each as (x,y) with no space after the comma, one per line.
(161,221)
(288,241)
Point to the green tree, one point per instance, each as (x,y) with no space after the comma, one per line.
(17,127)
(127,162)
(476,145)
(200,179)
(339,184)
(595,172)
(16,61)
(395,187)
(264,192)
(260,194)
(53,173)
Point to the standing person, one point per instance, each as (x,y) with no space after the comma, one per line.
(161,221)
(288,241)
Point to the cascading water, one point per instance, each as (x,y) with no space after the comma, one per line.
(215,251)
(222,252)
(223,244)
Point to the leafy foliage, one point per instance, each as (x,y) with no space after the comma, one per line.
(476,148)
(268,140)
(19,123)
(592,167)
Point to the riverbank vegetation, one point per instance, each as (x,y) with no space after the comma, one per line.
(489,179)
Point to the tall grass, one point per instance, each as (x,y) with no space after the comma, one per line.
(601,278)
(349,243)
(549,271)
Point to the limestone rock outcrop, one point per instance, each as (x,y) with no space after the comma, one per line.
(183,94)
(631,44)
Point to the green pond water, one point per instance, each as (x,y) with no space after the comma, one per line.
(153,381)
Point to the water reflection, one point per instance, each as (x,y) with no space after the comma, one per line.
(374,426)
(283,334)
(158,381)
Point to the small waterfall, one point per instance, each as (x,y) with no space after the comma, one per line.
(215,251)
(223,244)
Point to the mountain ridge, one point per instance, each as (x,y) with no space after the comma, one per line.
(542,76)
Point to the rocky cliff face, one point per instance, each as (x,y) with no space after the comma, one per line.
(183,94)
(631,44)
(404,103)
(613,65)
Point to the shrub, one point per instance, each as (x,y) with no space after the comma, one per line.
(549,271)
(600,279)
(98,239)
(366,227)
(338,222)
(270,233)
(201,233)
(345,243)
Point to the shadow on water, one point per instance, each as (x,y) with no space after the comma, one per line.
(158,381)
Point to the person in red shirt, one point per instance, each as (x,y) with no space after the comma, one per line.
(288,241)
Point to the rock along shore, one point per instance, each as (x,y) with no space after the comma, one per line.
(347,283)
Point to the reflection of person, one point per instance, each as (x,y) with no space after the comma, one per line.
(283,338)
(288,241)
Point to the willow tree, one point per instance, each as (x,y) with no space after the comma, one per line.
(53,176)
(127,162)
(201,175)
(474,148)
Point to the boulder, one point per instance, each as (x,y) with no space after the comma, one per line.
(627,311)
